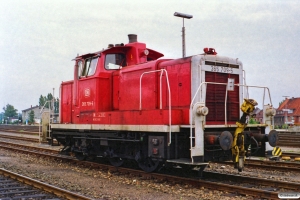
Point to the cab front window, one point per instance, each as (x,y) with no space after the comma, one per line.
(93,64)
(115,61)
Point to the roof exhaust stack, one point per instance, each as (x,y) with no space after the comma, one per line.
(132,38)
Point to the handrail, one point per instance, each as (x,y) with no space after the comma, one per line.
(201,100)
(226,106)
(160,100)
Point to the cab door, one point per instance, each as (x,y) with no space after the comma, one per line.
(87,90)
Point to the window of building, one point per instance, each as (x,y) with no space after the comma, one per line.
(115,61)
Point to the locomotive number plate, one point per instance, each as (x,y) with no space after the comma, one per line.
(87,103)
(221,69)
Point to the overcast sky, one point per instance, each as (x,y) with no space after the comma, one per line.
(40,38)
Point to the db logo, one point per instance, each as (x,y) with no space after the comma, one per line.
(87,92)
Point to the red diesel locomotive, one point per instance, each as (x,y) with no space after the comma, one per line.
(126,103)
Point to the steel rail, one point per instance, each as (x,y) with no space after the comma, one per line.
(269,165)
(290,154)
(256,181)
(36,140)
(53,151)
(43,186)
(276,163)
(21,132)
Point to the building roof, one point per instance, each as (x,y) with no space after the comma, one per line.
(291,104)
(256,110)
(30,108)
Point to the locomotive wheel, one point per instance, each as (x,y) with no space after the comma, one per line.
(148,165)
(116,161)
(80,156)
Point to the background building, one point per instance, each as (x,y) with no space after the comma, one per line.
(37,114)
(288,112)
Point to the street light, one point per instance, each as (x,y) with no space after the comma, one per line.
(53,106)
(187,16)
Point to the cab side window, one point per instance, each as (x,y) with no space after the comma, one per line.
(89,67)
(115,61)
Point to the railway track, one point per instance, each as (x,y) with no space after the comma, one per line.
(259,164)
(291,155)
(22,138)
(248,186)
(30,147)
(253,182)
(17,186)
(19,128)
(291,139)
(11,188)
(269,165)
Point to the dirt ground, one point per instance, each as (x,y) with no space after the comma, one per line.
(98,184)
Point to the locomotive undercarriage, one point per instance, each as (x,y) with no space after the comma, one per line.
(148,150)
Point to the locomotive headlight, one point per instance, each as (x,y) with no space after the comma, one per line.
(146,52)
(202,110)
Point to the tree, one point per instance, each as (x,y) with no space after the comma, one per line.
(1,117)
(31,116)
(44,99)
(50,98)
(10,111)
(56,105)
(20,117)
(252,121)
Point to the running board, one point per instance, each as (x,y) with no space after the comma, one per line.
(186,161)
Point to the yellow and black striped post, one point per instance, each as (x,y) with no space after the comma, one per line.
(276,151)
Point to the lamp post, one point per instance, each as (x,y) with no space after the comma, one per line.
(52,106)
(187,16)
(53,99)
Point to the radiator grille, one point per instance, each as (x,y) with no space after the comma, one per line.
(215,99)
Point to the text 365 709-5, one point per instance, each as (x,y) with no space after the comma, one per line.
(221,69)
